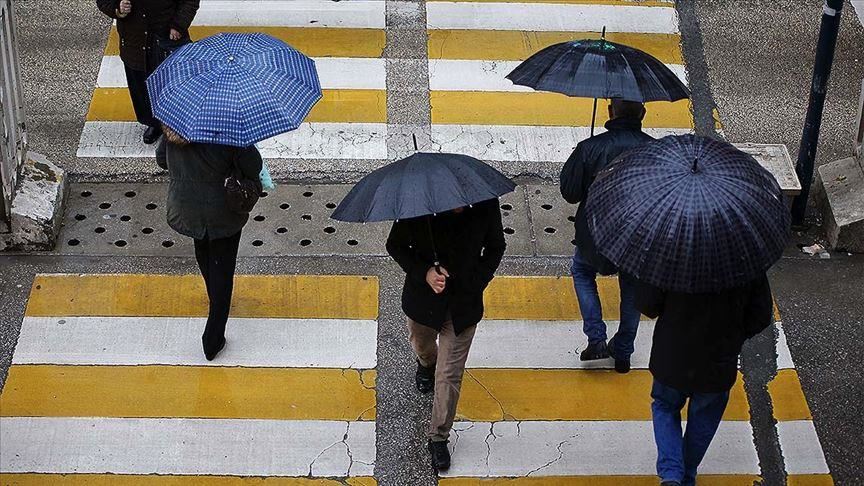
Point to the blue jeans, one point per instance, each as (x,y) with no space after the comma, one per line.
(678,456)
(585,283)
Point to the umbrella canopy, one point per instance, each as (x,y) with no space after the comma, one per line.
(688,214)
(234,89)
(600,69)
(420,185)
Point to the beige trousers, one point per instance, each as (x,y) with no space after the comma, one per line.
(448,353)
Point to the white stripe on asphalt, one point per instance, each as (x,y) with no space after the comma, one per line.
(551,17)
(515,449)
(802,451)
(187,446)
(284,343)
(462,75)
(784,356)
(364,141)
(333,72)
(514,344)
(292,13)
(507,143)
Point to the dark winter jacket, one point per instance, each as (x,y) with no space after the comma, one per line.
(148,21)
(196,191)
(698,337)
(590,157)
(470,246)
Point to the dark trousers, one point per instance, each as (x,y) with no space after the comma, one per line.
(137,81)
(217,260)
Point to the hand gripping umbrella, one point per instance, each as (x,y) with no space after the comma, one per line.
(688,214)
(234,89)
(592,68)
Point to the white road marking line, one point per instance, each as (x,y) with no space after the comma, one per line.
(284,343)
(802,451)
(514,344)
(551,17)
(507,143)
(784,356)
(514,449)
(292,13)
(469,75)
(364,141)
(333,72)
(187,446)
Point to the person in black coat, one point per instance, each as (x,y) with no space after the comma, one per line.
(697,341)
(448,260)
(140,25)
(197,208)
(624,132)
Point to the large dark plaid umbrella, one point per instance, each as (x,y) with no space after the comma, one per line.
(688,214)
(420,185)
(594,68)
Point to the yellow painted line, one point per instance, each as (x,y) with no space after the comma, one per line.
(788,398)
(160,480)
(704,480)
(316,42)
(280,296)
(490,395)
(809,480)
(541,109)
(627,3)
(501,45)
(545,299)
(188,392)
(335,106)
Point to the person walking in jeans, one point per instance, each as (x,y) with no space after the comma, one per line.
(445,302)
(197,208)
(623,132)
(694,361)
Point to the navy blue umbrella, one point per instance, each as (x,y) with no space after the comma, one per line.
(593,68)
(688,214)
(420,185)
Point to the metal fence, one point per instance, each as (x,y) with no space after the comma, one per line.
(13,138)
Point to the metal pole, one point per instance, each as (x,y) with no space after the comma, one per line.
(828,32)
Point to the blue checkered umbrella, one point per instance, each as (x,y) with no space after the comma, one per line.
(688,214)
(234,89)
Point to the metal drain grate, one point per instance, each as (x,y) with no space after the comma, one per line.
(552,218)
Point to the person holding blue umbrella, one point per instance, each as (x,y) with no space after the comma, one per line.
(215,99)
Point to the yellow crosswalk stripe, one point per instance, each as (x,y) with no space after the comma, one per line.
(161,480)
(788,398)
(336,106)
(188,392)
(491,395)
(504,45)
(704,480)
(541,109)
(281,296)
(314,42)
(809,480)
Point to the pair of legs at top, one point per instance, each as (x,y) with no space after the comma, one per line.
(621,346)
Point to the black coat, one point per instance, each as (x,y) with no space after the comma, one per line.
(590,157)
(698,337)
(149,20)
(196,191)
(470,246)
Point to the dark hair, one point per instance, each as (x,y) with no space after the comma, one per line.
(627,109)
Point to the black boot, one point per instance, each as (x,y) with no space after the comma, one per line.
(151,135)
(211,354)
(594,351)
(440,455)
(424,378)
(621,365)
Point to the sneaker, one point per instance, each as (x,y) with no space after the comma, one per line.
(594,351)
(621,365)
(424,378)
(440,455)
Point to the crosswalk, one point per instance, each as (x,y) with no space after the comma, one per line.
(108,384)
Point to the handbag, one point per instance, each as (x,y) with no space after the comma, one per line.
(241,194)
(165,47)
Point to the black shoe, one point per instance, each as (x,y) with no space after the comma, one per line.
(440,455)
(151,135)
(621,365)
(594,351)
(425,378)
(212,355)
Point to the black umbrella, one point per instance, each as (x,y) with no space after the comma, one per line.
(688,214)
(592,68)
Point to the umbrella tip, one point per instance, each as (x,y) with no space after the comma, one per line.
(414,136)
(695,167)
